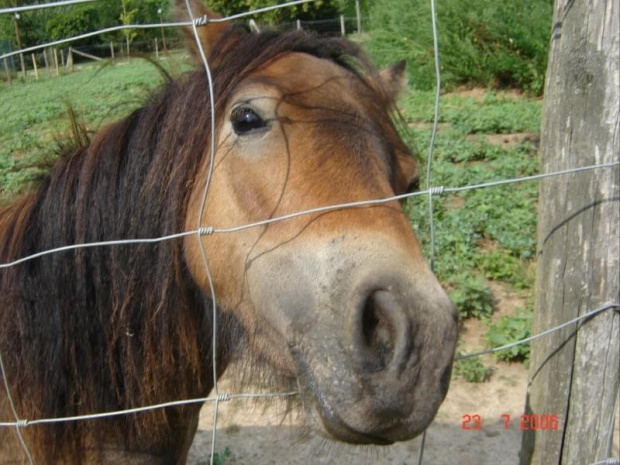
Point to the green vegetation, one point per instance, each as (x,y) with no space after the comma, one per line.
(471,369)
(499,43)
(484,234)
(327,9)
(39,26)
(509,329)
(472,297)
(35,115)
(222,458)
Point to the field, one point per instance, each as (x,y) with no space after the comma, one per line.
(484,239)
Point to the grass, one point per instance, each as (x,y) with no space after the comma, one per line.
(35,114)
(481,235)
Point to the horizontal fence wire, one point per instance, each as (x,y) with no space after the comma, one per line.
(605,307)
(209,230)
(22,423)
(227,397)
(93,34)
(40,6)
(198,22)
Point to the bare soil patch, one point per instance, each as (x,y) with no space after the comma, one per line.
(508,140)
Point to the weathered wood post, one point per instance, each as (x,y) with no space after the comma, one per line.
(574,373)
(343,31)
(70,59)
(163,34)
(56,62)
(359,16)
(47,65)
(19,44)
(34,66)
(6,69)
(112,50)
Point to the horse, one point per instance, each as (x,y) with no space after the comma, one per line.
(341,304)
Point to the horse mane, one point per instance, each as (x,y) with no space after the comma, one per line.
(107,328)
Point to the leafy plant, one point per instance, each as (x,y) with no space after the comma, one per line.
(127,17)
(472,297)
(471,370)
(221,458)
(509,329)
(498,265)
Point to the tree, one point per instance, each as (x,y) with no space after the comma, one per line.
(574,373)
(315,10)
(127,17)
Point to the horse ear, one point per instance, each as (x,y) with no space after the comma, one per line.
(209,33)
(394,79)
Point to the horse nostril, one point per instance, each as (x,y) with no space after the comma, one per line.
(378,330)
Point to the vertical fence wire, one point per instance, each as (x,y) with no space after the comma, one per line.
(203,202)
(18,422)
(429,166)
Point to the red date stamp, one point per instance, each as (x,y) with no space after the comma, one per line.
(529,421)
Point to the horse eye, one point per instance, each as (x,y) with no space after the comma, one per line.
(245,120)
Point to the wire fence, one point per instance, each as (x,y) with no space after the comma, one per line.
(327,28)
(54,57)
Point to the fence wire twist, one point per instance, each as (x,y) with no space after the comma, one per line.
(201,230)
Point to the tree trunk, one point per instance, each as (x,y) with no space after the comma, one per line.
(574,372)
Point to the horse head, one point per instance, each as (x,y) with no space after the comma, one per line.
(342,301)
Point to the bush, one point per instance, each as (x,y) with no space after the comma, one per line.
(72,23)
(221,458)
(509,329)
(498,43)
(329,9)
(472,297)
(471,370)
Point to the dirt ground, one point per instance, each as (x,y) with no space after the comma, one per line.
(259,434)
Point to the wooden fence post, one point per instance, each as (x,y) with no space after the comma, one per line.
(62,58)
(19,45)
(574,372)
(359,16)
(8,74)
(70,59)
(343,31)
(34,65)
(156,49)
(112,50)
(47,65)
(56,62)
(298,24)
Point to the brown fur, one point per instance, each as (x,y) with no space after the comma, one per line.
(118,327)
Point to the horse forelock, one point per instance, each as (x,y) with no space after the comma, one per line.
(116,327)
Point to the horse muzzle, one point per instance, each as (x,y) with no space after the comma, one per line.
(372,340)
